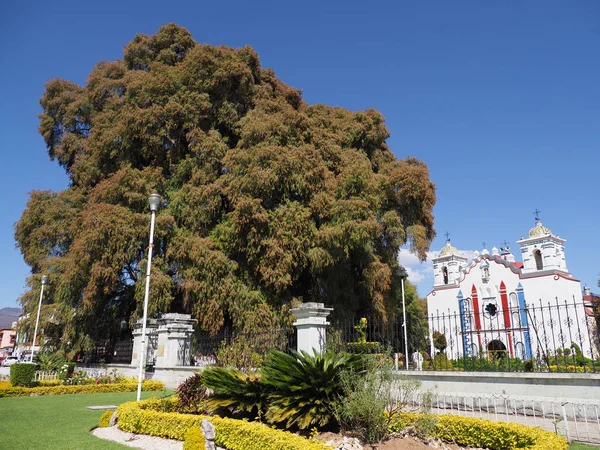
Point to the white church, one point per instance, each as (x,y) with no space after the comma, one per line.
(493,303)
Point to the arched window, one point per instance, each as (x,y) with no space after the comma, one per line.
(445,274)
(538,259)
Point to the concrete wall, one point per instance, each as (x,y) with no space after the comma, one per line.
(555,387)
(171,376)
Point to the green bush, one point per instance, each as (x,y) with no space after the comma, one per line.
(66,371)
(22,374)
(367,405)
(501,364)
(104,421)
(49,362)
(364,347)
(235,392)
(192,395)
(304,389)
(439,362)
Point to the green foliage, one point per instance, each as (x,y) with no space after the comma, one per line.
(361,329)
(480,364)
(104,421)
(192,395)
(147,385)
(529,365)
(142,417)
(65,371)
(235,392)
(369,400)
(439,341)
(473,432)
(22,374)
(304,389)
(49,361)
(364,347)
(267,200)
(439,362)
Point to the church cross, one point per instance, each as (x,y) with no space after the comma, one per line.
(536,213)
(483,243)
(447,236)
(505,244)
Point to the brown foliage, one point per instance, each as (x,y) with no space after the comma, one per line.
(267,200)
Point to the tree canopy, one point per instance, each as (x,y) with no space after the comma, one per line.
(267,201)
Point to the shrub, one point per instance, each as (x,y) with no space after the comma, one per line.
(439,341)
(139,417)
(104,421)
(240,354)
(22,374)
(236,392)
(528,365)
(192,395)
(304,389)
(439,362)
(147,385)
(66,371)
(364,347)
(473,432)
(49,362)
(369,400)
(194,440)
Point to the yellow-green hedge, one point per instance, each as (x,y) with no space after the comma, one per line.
(105,419)
(485,433)
(194,440)
(139,417)
(147,385)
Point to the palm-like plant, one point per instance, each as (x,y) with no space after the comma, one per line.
(237,392)
(305,389)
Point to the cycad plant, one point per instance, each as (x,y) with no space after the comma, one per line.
(238,393)
(305,389)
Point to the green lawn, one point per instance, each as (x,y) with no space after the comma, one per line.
(578,446)
(60,422)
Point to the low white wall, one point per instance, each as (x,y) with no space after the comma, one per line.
(555,387)
(171,376)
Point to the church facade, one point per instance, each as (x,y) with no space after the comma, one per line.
(493,303)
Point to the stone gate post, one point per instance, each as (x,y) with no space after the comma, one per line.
(174,340)
(137,340)
(311,325)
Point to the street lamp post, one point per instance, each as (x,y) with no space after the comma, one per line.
(37,320)
(154,201)
(403,275)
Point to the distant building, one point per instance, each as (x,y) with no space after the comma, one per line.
(492,303)
(8,330)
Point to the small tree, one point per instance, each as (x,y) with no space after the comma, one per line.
(439,341)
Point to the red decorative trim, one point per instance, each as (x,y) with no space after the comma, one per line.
(556,277)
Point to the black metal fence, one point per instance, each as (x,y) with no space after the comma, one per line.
(206,348)
(555,336)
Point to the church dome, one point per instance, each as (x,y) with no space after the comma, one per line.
(448,250)
(539,230)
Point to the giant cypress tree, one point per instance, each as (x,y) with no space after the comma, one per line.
(268,201)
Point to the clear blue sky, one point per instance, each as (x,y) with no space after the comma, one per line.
(500,99)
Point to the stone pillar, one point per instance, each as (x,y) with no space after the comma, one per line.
(150,340)
(311,323)
(174,340)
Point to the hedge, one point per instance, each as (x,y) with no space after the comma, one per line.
(22,374)
(484,433)
(142,417)
(104,421)
(147,385)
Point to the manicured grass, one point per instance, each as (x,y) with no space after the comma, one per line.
(59,422)
(578,446)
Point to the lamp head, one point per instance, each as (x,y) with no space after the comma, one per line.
(154,201)
(403,273)
(44,279)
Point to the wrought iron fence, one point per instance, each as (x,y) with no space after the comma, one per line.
(205,348)
(377,334)
(551,336)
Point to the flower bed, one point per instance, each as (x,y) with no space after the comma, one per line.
(153,417)
(147,385)
(484,433)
